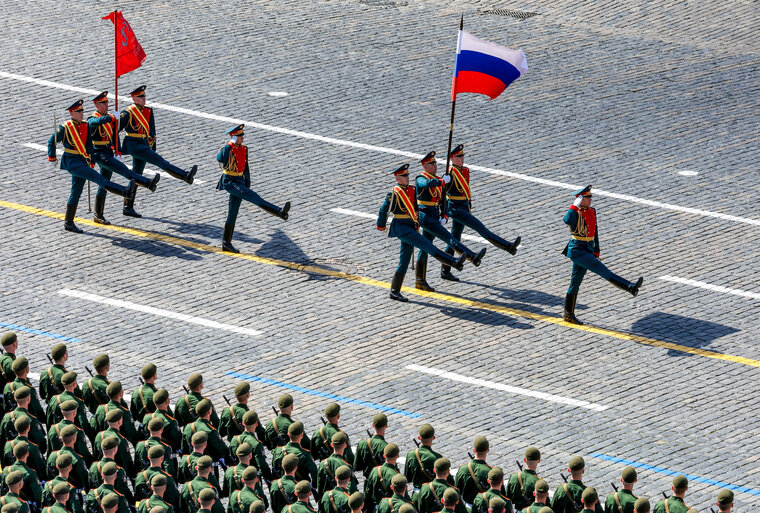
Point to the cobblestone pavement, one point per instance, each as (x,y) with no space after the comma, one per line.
(622,95)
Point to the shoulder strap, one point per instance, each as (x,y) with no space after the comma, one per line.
(235,420)
(422,467)
(474,477)
(192,495)
(332,500)
(142,399)
(282,492)
(390,503)
(322,436)
(369,447)
(520,480)
(380,477)
(97,495)
(240,499)
(432,490)
(617,501)
(667,509)
(274,426)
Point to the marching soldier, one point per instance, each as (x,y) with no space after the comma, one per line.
(97,496)
(171,433)
(103,153)
(642,505)
(31,490)
(327,471)
(185,408)
(590,500)
(114,419)
(140,142)
(398,498)
(77,146)
(541,496)
(61,494)
(22,395)
(623,500)
(451,500)
(208,502)
(674,503)
(216,447)
(94,389)
(378,483)
(251,426)
(307,469)
(472,478)
(302,505)
(583,251)
(20,368)
(336,499)
(144,478)
(233,476)
(142,398)
(15,482)
(725,501)
(23,424)
(188,462)
(428,500)
(95,475)
(155,428)
(369,452)
(74,503)
(283,490)
(276,430)
(158,487)
(9,342)
(496,485)
(201,481)
(113,503)
(231,421)
(320,441)
(236,180)
(356,502)
(520,485)
(50,379)
(429,188)
(242,499)
(567,497)
(54,411)
(459,208)
(115,394)
(418,468)
(402,203)
(78,475)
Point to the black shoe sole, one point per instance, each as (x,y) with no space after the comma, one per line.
(73,229)
(513,249)
(399,297)
(449,277)
(101,220)
(132,214)
(573,320)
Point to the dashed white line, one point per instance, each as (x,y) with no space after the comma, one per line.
(158,311)
(365,215)
(508,388)
(709,286)
(277,94)
(393,151)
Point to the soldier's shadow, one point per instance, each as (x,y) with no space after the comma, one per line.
(527,299)
(678,329)
(484,317)
(211,231)
(149,246)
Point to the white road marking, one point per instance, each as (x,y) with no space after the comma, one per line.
(277,94)
(688,173)
(708,286)
(159,312)
(356,213)
(392,151)
(148,173)
(508,388)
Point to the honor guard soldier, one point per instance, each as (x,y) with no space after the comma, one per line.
(642,505)
(725,501)
(75,503)
(54,413)
(185,408)
(114,420)
(472,479)
(69,411)
(302,505)
(231,421)
(236,180)
(496,485)
(22,395)
(250,428)
(103,493)
(541,497)
(78,475)
(109,447)
(567,497)
(103,153)
(61,494)
(158,487)
(276,429)
(498,506)
(429,188)
(459,208)
(77,146)
(155,428)
(335,500)
(583,250)
(171,433)
(378,483)
(418,468)
(283,490)
(307,469)
(369,452)
(20,368)
(13,507)
(15,483)
(402,203)
(397,498)
(233,476)
(674,503)
(31,490)
(327,471)
(140,142)
(144,478)
(23,424)
(94,389)
(50,378)
(242,499)
(115,394)
(520,485)
(320,441)
(201,481)
(428,500)
(216,447)
(142,398)
(187,471)
(623,501)
(9,342)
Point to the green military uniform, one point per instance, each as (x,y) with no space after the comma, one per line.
(123,457)
(73,505)
(259,459)
(231,422)
(32,489)
(307,469)
(35,458)
(12,498)
(144,491)
(55,508)
(98,421)
(95,478)
(536,507)
(96,495)
(520,488)
(621,501)
(6,361)
(53,413)
(216,447)
(241,500)
(335,501)
(428,499)
(94,392)
(171,434)
(300,507)
(151,502)
(568,495)
(418,468)
(35,407)
(378,484)
(80,446)
(142,461)
(326,475)
(283,492)
(78,475)
(186,470)
(369,454)
(393,503)
(472,479)
(36,432)
(233,480)
(320,441)
(141,403)
(50,381)
(185,410)
(481,501)
(189,495)
(277,431)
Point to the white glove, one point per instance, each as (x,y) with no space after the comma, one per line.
(577,202)
(443,221)
(117,157)
(234,139)
(116,115)
(446,179)
(53,164)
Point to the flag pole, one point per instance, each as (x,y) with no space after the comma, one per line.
(116,79)
(451,123)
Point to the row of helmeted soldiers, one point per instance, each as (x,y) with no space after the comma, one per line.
(89,444)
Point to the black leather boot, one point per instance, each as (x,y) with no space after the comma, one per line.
(283,214)
(446,273)
(512,249)
(396,283)
(68,222)
(191,175)
(227,239)
(630,287)
(476,258)
(100,203)
(153,182)
(459,264)
(570,309)
(420,281)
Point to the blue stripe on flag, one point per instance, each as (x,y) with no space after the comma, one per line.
(468,60)
(328,395)
(33,331)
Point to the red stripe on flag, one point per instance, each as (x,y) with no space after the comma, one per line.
(475,82)
(129,53)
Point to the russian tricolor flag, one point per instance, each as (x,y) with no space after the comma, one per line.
(485,68)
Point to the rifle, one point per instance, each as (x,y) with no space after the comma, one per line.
(665,495)
(324,422)
(141,380)
(226,400)
(576,505)
(187,392)
(415,442)
(50,359)
(614,487)
(470,455)
(276,412)
(369,435)
(518,465)
(88,371)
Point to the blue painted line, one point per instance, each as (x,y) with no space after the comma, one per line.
(33,331)
(668,472)
(304,390)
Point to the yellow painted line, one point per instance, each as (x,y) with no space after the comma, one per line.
(382,284)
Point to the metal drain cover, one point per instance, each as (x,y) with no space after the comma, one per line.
(520,15)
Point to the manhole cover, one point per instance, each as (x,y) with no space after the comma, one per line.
(520,15)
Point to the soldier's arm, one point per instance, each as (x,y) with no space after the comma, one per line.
(56,137)
(123,120)
(596,242)
(571,218)
(224,154)
(382,216)
(261,463)
(247,175)
(152,126)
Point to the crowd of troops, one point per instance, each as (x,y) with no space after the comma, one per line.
(89,449)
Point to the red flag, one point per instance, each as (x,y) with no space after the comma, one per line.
(129,53)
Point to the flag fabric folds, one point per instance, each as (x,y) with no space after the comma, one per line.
(485,68)
(129,53)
